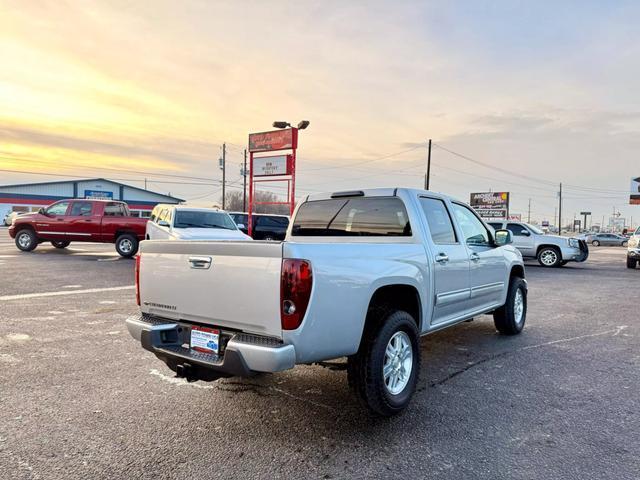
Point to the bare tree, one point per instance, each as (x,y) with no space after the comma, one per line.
(233,202)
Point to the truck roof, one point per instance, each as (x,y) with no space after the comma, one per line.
(375,192)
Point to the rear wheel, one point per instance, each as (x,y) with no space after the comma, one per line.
(127,245)
(596,243)
(60,243)
(384,373)
(509,319)
(549,257)
(625,243)
(26,240)
(631,262)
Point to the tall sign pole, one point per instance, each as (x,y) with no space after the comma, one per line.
(244,186)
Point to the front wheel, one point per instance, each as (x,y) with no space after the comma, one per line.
(26,240)
(384,373)
(127,245)
(60,243)
(631,262)
(549,257)
(509,319)
(595,243)
(625,244)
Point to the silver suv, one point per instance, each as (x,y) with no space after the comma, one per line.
(550,250)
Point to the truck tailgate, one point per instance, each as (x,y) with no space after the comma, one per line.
(228,284)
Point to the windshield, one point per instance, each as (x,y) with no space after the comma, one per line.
(200,219)
(534,229)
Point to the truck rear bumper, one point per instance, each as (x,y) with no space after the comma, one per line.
(243,354)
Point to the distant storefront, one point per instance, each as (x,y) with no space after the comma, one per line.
(29,197)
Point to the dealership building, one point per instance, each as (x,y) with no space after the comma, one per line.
(29,197)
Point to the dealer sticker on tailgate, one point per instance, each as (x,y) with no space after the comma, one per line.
(205,339)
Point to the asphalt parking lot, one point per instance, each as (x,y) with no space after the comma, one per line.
(80,399)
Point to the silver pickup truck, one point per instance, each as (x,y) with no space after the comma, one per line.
(550,250)
(361,274)
(633,250)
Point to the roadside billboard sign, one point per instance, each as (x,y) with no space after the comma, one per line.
(585,213)
(545,223)
(516,217)
(285,139)
(634,198)
(491,204)
(270,166)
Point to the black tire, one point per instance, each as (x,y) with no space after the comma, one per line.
(596,243)
(365,368)
(625,244)
(26,240)
(564,262)
(60,243)
(127,245)
(631,262)
(505,318)
(549,257)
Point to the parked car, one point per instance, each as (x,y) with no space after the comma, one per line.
(361,274)
(633,250)
(69,221)
(179,222)
(550,250)
(608,239)
(266,226)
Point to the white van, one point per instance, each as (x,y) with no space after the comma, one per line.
(180,222)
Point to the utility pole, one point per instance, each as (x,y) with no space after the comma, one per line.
(427,177)
(244,188)
(145,183)
(560,210)
(224,172)
(529,213)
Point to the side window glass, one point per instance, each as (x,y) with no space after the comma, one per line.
(473,229)
(113,210)
(516,230)
(58,208)
(81,209)
(439,221)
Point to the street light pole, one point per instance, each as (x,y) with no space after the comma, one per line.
(244,187)
(427,177)
(224,172)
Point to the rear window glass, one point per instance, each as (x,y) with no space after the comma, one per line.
(373,216)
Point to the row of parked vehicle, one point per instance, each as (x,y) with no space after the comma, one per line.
(107,221)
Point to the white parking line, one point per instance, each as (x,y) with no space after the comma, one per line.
(66,292)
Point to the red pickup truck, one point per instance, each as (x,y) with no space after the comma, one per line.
(67,221)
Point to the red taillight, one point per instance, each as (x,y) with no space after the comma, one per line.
(295,290)
(138,278)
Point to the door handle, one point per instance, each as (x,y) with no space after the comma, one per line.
(200,262)
(442,258)
(474,257)
(88,220)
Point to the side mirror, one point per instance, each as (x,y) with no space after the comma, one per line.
(163,223)
(525,233)
(41,211)
(502,237)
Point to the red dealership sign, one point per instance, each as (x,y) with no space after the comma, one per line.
(286,139)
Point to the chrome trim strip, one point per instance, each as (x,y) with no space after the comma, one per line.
(451,297)
(486,289)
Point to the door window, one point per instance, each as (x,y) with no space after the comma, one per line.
(439,221)
(114,210)
(517,230)
(58,208)
(475,233)
(496,226)
(81,209)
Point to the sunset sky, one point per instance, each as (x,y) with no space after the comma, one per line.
(544,92)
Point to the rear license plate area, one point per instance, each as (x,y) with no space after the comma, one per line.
(205,340)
